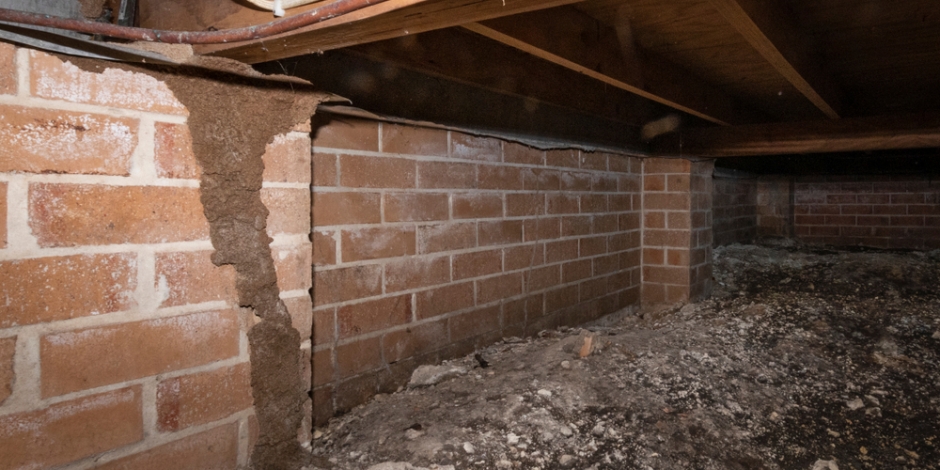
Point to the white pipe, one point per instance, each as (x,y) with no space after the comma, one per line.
(278,6)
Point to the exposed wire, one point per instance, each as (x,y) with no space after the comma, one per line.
(316,15)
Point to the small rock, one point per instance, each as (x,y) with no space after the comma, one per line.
(936,335)
(566,364)
(544,393)
(317,434)
(503,464)
(412,434)
(855,404)
(825,465)
(832,433)
(566,460)
(468,448)
(512,439)
(565,431)
(598,430)
(426,376)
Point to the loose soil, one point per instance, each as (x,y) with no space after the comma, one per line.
(814,359)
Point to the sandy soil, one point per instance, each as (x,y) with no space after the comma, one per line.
(802,359)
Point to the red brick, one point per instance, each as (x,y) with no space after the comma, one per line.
(7,69)
(518,153)
(413,140)
(73,214)
(575,181)
(666,275)
(676,294)
(47,289)
(3,214)
(203,397)
(478,206)
(594,161)
(476,264)
(287,159)
(500,232)
(606,264)
(675,238)
(666,165)
(173,152)
(653,219)
(654,183)
(7,351)
(908,220)
(856,209)
(908,199)
(593,246)
(324,171)
(917,209)
(592,289)
(324,248)
(350,134)
(471,147)
(340,285)
(446,299)
(825,231)
(324,325)
(46,141)
(288,210)
(890,210)
(857,231)
(678,183)
(521,204)
(293,267)
(629,222)
(446,175)
(604,183)
(561,203)
(841,199)
(522,310)
(667,201)
(810,220)
(506,178)
(189,277)
(498,287)
(357,357)
(677,257)
(591,203)
(374,243)
(113,87)
(561,251)
(215,449)
(542,278)
(560,298)
(477,322)
(521,257)
(358,171)
(414,341)
(374,315)
(576,270)
(622,163)
(542,228)
(412,273)
(679,220)
(873,198)
(576,225)
(628,184)
(89,358)
(322,368)
(71,430)
(444,237)
(538,179)
(566,158)
(346,208)
(415,207)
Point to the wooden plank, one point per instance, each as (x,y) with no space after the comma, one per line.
(771,29)
(574,40)
(843,135)
(456,54)
(375,23)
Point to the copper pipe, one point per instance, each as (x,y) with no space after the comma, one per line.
(321,13)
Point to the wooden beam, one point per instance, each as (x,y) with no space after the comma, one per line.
(388,20)
(771,29)
(574,40)
(467,58)
(843,135)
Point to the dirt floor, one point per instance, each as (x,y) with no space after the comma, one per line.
(803,359)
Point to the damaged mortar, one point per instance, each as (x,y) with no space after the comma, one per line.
(232,118)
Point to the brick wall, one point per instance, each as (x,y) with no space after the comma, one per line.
(676,230)
(429,244)
(121,345)
(734,208)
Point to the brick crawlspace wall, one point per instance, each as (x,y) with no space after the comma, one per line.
(734,207)
(429,244)
(121,345)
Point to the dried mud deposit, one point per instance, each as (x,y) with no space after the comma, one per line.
(803,359)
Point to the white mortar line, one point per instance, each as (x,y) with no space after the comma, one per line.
(14,253)
(26,384)
(19,234)
(22,73)
(244,439)
(143,165)
(148,399)
(278,185)
(68,106)
(99,180)
(149,296)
